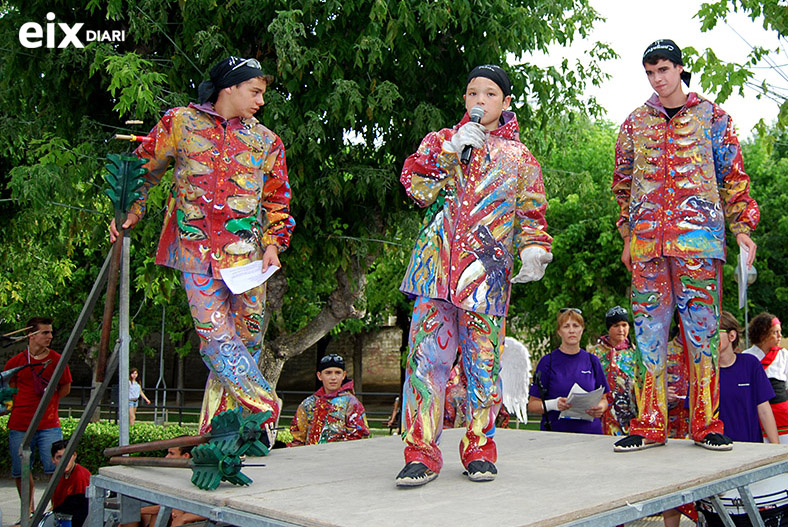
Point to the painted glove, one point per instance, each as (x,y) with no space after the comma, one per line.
(535,260)
(469,134)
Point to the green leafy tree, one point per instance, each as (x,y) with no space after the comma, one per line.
(586,271)
(358,85)
(723,77)
(766,161)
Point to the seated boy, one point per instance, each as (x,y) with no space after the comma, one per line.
(69,496)
(332,413)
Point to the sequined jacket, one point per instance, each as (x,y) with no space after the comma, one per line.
(677,180)
(476,220)
(230,194)
(328,418)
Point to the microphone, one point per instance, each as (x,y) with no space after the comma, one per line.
(476,113)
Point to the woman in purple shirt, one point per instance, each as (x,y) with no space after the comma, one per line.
(746,414)
(558,371)
(745,390)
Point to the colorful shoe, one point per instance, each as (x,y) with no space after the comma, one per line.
(481,470)
(715,441)
(415,474)
(634,442)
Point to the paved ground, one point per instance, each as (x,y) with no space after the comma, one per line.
(9,499)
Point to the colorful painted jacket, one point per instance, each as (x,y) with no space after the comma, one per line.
(477,220)
(620,366)
(230,195)
(677,180)
(328,418)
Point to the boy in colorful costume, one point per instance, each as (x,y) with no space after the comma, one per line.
(333,413)
(461,269)
(229,206)
(678,175)
(617,356)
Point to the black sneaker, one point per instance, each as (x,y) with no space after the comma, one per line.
(634,442)
(715,441)
(481,470)
(415,474)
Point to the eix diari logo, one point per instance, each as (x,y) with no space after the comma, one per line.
(32,35)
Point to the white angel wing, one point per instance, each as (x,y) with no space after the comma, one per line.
(515,373)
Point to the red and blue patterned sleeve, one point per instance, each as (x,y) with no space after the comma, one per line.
(622,175)
(299,426)
(276,199)
(159,153)
(600,378)
(356,426)
(531,207)
(740,209)
(430,169)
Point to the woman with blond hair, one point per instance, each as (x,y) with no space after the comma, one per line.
(561,369)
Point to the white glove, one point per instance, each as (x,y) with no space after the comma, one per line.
(551,405)
(469,134)
(535,260)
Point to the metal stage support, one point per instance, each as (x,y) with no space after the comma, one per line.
(113,261)
(545,479)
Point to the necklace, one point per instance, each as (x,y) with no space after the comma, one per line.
(36,356)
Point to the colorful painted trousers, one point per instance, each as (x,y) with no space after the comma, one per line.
(230,342)
(691,286)
(438,331)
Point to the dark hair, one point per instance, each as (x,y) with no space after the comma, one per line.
(728,322)
(653,58)
(332,360)
(615,315)
(132,370)
(184,449)
(35,322)
(760,326)
(59,445)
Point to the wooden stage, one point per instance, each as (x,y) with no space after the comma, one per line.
(545,479)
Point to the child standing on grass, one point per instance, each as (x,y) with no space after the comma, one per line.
(135,392)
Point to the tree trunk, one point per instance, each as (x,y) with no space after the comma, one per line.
(340,306)
(179,386)
(358,352)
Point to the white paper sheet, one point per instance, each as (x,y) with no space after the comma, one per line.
(581,401)
(744,255)
(244,277)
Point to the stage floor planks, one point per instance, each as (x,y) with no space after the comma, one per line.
(545,479)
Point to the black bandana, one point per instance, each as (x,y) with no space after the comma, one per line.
(230,72)
(495,74)
(615,315)
(668,49)
(331,361)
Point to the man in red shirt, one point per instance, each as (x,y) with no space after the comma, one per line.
(69,496)
(31,383)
